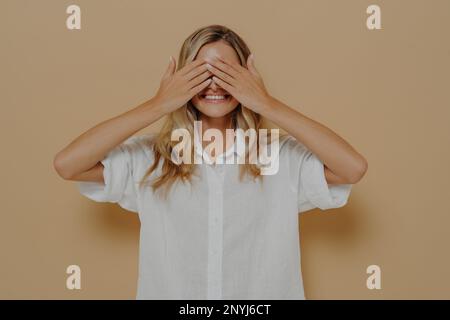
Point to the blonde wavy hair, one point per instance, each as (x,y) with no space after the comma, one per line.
(185,116)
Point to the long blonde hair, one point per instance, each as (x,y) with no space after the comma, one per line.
(185,116)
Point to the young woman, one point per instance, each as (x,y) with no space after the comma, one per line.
(211,230)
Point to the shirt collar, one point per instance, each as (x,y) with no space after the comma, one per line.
(238,148)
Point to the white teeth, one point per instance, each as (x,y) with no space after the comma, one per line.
(214,97)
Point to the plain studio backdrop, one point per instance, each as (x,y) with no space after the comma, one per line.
(385,91)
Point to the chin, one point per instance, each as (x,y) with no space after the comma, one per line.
(214,112)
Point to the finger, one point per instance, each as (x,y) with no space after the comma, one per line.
(191,65)
(219,64)
(222,75)
(170,68)
(229,88)
(234,65)
(251,65)
(200,78)
(196,71)
(198,88)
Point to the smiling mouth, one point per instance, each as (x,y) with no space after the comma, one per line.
(222,98)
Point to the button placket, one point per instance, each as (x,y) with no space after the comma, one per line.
(215,231)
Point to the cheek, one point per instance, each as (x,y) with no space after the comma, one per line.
(195,101)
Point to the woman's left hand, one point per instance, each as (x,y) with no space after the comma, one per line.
(245,85)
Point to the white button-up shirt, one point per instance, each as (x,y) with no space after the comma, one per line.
(218,238)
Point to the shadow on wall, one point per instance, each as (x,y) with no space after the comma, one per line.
(341,226)
(333,259)
(111,221)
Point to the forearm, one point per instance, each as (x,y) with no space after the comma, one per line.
(90,147)
(338,155)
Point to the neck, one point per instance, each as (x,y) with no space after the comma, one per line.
(221,124)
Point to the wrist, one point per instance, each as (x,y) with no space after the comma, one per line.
(151,110)
(155,105)
(267,105)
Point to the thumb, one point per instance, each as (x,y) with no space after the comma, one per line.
(251,65)
(170,68)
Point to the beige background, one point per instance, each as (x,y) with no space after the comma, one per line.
(384,91)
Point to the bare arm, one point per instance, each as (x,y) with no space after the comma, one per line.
(80,160)
(343,164)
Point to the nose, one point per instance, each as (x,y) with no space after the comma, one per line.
(213,85)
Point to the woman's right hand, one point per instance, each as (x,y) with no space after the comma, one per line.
(177,88)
